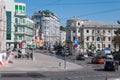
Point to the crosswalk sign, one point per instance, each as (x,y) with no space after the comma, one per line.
(33,46)
(75,41)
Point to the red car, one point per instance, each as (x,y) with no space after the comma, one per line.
(98,60)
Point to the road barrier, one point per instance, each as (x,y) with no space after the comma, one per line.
(5,57)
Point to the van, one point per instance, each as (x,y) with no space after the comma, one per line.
(111,65)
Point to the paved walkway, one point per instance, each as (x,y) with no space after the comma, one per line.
(41,62)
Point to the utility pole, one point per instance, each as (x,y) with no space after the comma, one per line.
(82,36)
(33,46)
(95,36)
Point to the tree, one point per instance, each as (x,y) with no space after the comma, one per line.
(91,47)
(116,39)
(62,28)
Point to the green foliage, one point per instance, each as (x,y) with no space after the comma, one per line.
(62,28)
(117,32)
(47,12)
(91,47)
(116,39)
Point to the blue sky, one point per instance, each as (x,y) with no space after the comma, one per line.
(95,10)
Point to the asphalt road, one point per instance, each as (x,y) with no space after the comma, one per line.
(89,72)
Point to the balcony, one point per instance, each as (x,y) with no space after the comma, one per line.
(19,33)
(20,24)
(20,15)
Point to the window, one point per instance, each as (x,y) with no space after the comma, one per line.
(20,37)
(98,45)
(87,44)
(20,7)
(103,31)
(87,38)
(98,31)
(74,31)
(108,31)
(92,31)
(87,31)
(20,29)
(16,20)
(79,30)
(103,38)
(73,38)
(108,38)
(109,45)
(16,7)
(23,8)
(103,45)
(78,23)
(16,29)
(20,20)
(92,38)
(23,20)
(8,25)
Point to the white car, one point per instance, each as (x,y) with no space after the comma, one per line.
(66,53)
(85,55)
(109,56)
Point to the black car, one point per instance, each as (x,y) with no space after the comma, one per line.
(80,57)
(90,54)
(111,65)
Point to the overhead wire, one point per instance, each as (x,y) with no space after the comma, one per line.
(94,13)
(55,3)
(84,3)
(51,3)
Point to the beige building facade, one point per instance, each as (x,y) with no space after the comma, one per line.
(62,37)
(2,26)
(91,35)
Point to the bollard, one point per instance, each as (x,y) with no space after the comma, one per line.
(81,78)
(59,64)
(106,78)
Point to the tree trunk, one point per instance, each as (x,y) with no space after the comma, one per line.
(119,47)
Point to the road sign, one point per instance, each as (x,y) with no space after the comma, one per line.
(75,45)
(98,38)
(75,41)
(33,46)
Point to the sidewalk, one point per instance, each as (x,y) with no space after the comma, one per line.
(40,63)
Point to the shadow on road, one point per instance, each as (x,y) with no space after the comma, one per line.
(100,69)
(29,74)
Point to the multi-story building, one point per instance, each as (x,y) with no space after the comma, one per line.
(89,33)
(9,22)
(62,37)
(19,27)
(2,26)
(24,26)
(49,26)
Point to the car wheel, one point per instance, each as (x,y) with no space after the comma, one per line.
(117,68)
(114,70)
(105,69)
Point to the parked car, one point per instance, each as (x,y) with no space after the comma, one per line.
(85,55)
(98,60)
(52,50)
(90,54)
(66,53)
(59,51)
(111,65)
(116,56)
(109,56)
(80,57)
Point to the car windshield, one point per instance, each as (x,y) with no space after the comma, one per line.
(109,62)
(109,54)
